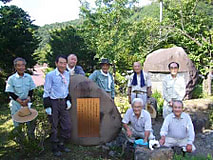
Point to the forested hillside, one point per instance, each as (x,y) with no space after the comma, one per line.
(117,30)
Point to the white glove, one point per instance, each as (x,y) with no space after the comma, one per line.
(29,104)
(48,111)
(69,105)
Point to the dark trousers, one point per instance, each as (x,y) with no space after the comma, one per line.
(60,116)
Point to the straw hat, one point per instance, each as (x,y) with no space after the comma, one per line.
(151,109)
(25,115)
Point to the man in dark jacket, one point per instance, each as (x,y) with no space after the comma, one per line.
(72,67)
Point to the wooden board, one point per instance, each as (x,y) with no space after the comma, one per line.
(88,115)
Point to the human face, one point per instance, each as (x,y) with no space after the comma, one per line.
(20,67)
(137,107)
(61,65)
(105,68)
(72,60)
(173,69)
(177,109)
(137,67)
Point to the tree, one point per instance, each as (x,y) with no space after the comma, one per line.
(192,29)
(105,26)
(16,40)
(66,41)
(5,1)
(16,37)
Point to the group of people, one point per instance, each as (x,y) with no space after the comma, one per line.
(177,128)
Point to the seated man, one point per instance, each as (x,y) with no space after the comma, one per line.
(137,122)
(177,129)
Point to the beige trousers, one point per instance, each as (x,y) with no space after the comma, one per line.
(136,134)
(170,142)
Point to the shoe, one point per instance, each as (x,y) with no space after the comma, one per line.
(62,148)
(57,153)
(66,150)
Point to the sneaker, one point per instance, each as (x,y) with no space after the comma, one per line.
(57,153)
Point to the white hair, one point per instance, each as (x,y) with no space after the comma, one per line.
(137,100)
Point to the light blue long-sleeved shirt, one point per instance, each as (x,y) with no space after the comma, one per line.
(20,85)
(102,81)
(55,85)
(178,127)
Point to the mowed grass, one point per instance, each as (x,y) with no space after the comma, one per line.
(6,126)
(9,150)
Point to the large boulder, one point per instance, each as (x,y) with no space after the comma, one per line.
(156,64)
(95,118)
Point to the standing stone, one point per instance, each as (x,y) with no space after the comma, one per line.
(156,64)
(92,108)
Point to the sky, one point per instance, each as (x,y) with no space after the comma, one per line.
(51,11)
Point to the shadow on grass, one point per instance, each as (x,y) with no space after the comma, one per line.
(4,114)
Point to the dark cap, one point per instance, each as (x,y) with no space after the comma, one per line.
(105,61)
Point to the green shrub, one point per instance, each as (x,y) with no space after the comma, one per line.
(197,92)
(157,95)
(121,84)
(188,157)
(122,103)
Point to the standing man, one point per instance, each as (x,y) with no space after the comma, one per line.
(20,87)
(174,88)
(57,102)
(103,78)
(72,67)
(139,84)
(137,122)
(177,129)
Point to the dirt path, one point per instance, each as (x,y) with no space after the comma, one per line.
(38,75)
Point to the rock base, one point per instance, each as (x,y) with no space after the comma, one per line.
(142,153)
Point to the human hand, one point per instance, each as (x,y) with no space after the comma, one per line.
(189,148)
(25,102)
(162,140)
(129,132)
(69,105)
(48,111)
(20,101)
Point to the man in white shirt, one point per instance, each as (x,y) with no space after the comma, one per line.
(174,88)
(137,122)
(177,129)
(139,84)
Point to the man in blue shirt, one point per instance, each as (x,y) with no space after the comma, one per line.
(57,102)
(20,88)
